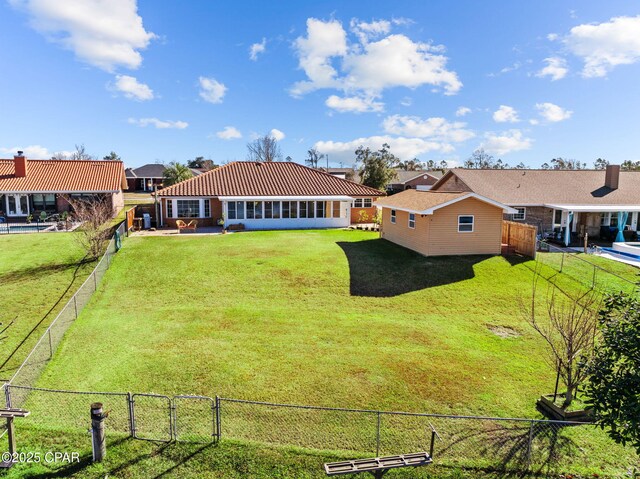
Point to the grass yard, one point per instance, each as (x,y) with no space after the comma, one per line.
(330,318)
(38,274)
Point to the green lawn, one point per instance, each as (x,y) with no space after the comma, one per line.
(38,274)
(328,318)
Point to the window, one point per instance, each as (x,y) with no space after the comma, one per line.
(188,208)
(465,224)
(367,202)
(235,210)
(44,202)
(207,208)
(412,220)
(169,208)
(357,203)
(303,209)
(604,219)
(306,209)
(336,209)
(293,209)
(268,209)
(393,217)
(320,209)
(285,209)
(520,215)
(614,219)
(254,210)
(558,217)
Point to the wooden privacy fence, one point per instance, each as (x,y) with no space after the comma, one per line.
(521,237)
(131,214)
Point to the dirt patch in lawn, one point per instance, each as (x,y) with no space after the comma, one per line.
(503,331)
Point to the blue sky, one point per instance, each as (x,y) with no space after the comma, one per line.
(164,81)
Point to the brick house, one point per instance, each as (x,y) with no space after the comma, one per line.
(29,187)
(270,195)
(148,177)
(591,202)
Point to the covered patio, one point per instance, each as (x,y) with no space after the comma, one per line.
(602,224)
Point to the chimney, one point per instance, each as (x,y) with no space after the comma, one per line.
(20,164)
(612,176)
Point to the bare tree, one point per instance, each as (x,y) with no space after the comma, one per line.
(313,158)
(264,149)
(95,215)
(81,154)
(569,327)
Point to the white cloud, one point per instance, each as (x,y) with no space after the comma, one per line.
(229,133)
(505,142)
(277,134)
(105,34)
(605,45)
(257,48)
(353,104)
(211,90)
(406,101)
(403,148)
(462,111)
(32,151)
(555,67)
(132,88)
(435,128)
(553,113)
(366,31)
(368,67)
(161,124)
(505,114)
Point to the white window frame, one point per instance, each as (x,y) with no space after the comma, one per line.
(412,219)
(358,203)
(393,217)
(367,202)
(519,216)
(473,223)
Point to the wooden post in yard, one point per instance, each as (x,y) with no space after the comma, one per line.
(97,432)
(586,242)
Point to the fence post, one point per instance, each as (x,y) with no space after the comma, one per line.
(7,395)
(173,432)
(218,425)
(530,444)
(132,415)
(593,281)
(378,435)
(562,263)
(95,281)
(75,305)
(99,442)
(50,343)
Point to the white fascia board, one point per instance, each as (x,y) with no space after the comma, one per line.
(285,198)
(505,208)
(58,192)
(397,208)
(595,208)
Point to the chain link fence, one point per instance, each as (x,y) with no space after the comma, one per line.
(568,269)
(471,442)
(31,368)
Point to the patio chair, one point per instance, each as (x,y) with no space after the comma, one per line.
(191,226)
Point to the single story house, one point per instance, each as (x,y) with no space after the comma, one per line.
(29,187)
(269,195)
(147,177)
(443,223)
(591,202)
(417,180)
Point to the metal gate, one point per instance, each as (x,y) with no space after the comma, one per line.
(151,417)
(195,419)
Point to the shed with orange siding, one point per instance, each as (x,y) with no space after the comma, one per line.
(443,223)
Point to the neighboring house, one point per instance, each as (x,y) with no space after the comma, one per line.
(443,223)
(587,200)
(29,187)
(270,195)
(147,177)
(416,180)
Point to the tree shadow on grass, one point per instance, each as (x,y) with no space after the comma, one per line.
(379,268)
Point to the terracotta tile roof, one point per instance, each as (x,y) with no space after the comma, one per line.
(538,187)
(415,200)
(63,176)
(248,178)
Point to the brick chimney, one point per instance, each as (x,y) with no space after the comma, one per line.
(20,162)
(612,176)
